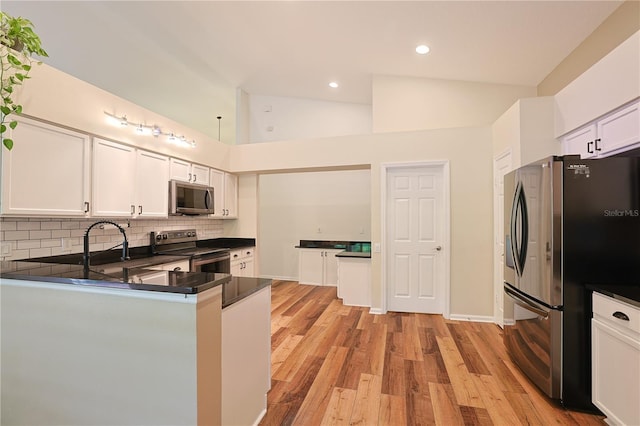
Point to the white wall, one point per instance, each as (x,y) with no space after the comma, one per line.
(403,103)
(469,151)
(275,118)
(611,82)
(55,96)
(330,205)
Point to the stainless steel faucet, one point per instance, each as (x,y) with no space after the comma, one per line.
(125,243)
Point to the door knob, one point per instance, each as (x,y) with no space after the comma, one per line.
(438,248)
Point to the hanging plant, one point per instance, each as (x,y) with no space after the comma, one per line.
(19,43)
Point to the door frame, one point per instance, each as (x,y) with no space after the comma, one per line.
(497,282)
(446,252)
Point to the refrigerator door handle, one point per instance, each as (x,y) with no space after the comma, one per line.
(518,300)
(520,240)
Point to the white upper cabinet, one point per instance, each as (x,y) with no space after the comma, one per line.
(225,194)
(187,172)
(614,133)
(114,174)
(128,182)
(152,190)
(47,172)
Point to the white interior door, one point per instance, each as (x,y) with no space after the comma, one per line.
(415,228)
(501,166)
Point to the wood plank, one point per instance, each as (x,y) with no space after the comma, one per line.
(412,346)
(315,403)
(366,407)
(419,410)
(282,352)
(340,407)
(462,381)
(473,416)
(393,375)
(445,407)
(467,349)
(392,410)
(495,401)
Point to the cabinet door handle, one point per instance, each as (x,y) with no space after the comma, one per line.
(189,177)
(86,207)
(589,150)
(177,268)
(195,178)
(621,315)
(133,209)
(597,147)
(140,209)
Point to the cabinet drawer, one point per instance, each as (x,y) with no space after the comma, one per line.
(242,253)
(605,307)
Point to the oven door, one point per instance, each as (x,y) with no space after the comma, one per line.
(219,262)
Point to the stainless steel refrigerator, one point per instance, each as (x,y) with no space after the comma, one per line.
(568,223)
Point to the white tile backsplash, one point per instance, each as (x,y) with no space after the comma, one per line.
(36,237)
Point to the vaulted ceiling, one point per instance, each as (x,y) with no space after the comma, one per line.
(185,59)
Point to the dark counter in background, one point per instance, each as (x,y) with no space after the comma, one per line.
(350,246)
(625,293)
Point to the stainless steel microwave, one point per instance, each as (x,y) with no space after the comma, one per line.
(189,199)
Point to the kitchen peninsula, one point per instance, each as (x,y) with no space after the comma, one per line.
(121,346)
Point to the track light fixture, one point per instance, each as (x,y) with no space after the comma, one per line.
(154,130)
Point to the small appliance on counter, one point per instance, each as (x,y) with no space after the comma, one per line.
(569,222)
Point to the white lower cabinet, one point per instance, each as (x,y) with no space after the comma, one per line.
(354,281)
(615,360)
(318,266)
(242,262)
(246,359)
(47,173)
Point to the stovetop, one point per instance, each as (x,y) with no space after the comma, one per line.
(180,243)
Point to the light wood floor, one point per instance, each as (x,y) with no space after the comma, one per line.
(335,364)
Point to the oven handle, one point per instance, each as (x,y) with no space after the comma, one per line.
(204,260)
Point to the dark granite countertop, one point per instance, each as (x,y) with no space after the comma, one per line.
(114,277)
(626,293)
(355,254)
(240,287)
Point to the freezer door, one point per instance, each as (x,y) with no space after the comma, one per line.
(532,334)
(533,231)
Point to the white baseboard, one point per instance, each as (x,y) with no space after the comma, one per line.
(472,318)
(376,311)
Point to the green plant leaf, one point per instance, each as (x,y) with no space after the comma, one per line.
(5,110)
(8,143)
(26,67)
(3,128)
(13,60)
(13,124)
(17,109)
(19,76)
(8,89)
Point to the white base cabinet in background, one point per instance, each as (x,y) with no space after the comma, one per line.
(47,173)
(246,359)
(615,360)
(242,262)
(354,281)
(318,266)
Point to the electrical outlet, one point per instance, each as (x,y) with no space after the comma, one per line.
(66,244)
(319,230)
(376,247)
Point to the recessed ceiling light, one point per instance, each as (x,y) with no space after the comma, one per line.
(333,85)
(423,49)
